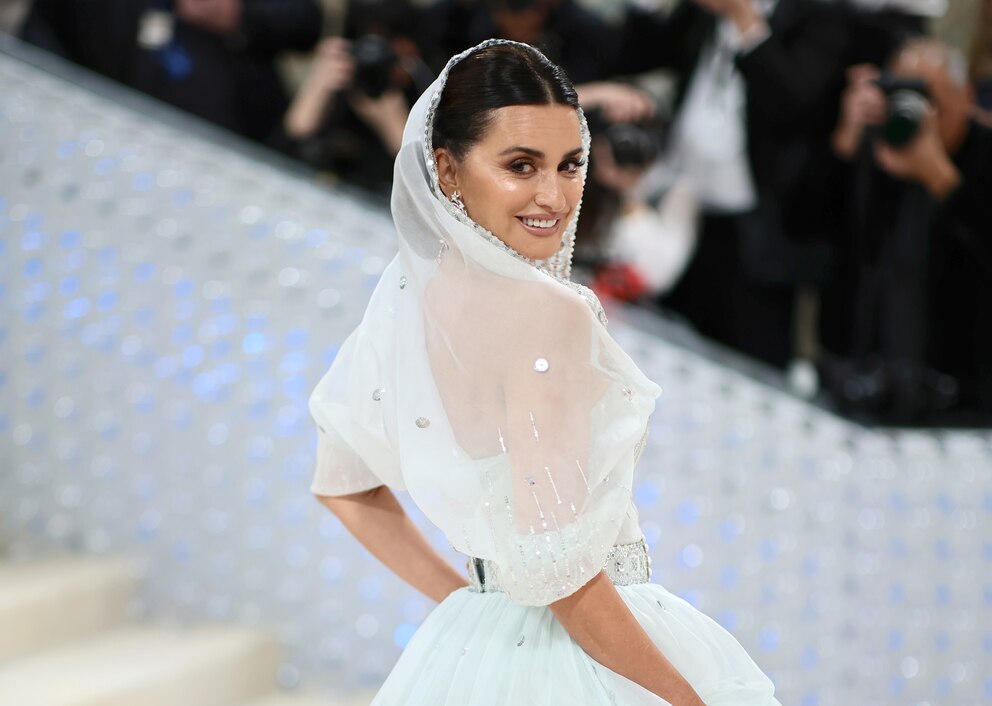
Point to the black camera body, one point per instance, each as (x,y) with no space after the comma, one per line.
(906,103)
(374,61)
(631,144)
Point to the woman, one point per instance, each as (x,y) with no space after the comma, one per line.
(484,382)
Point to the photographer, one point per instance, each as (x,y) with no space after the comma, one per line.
(348,116)
(634,239)
(755,104)
(907,323)
(213,58)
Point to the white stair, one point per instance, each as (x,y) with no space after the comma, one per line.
(49,601)
(146,665)
(291,699)
(65,641)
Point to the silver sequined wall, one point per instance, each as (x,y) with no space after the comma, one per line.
(167,306)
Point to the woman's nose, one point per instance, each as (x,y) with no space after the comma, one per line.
(550,194)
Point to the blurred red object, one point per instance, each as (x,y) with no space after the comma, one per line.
(619,280)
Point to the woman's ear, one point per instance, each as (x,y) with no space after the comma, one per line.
(447,171)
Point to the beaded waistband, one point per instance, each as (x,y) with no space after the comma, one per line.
(625,564)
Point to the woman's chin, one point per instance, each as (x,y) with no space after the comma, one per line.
(533,247)
(539,248)
(542,251)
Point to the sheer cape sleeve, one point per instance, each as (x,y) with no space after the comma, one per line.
(356,447)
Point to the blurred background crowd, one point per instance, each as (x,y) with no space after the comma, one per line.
(808,182)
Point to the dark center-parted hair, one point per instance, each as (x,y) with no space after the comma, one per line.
(495,77)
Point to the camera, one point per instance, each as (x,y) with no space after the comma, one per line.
(631,144)
(374,61)
(906,101)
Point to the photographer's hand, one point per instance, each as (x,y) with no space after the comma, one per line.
(332,71)
(924,160)
(982,115)
(619,102)
(219,16)
(386,115)
(333,66)
(743,13)
(862,104)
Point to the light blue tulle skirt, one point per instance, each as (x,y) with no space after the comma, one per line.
(482,649)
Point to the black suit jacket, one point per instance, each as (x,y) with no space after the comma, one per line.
(232,81)
(793,83)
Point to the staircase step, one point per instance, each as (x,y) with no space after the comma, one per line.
(205,665)
(290,699)
(46,602)
(309,699)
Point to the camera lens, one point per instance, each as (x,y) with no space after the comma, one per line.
(904,113)
(374,60)
(632,145)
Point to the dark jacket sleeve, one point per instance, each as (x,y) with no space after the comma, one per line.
(271,26)
(788,77)
(587,46)
(650,40)
(45,27)
(967,211)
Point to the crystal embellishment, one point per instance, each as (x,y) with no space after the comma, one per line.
(377,394)
(625,564)
(520,641)
(423,422)
(632,562)
(639,446)
(442,249)
(541,365)
(403,282)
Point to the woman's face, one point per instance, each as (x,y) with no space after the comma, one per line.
(521,181)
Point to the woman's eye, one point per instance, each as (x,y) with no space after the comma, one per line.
(522,167)
(572,166)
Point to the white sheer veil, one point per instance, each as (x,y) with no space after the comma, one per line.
(487,385)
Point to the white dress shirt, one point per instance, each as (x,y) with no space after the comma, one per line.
(709,139)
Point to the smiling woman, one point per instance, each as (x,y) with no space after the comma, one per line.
(521,180)
(483,381)
(509,144)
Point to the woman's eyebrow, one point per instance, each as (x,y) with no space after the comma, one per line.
(538,153)
(526,150)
